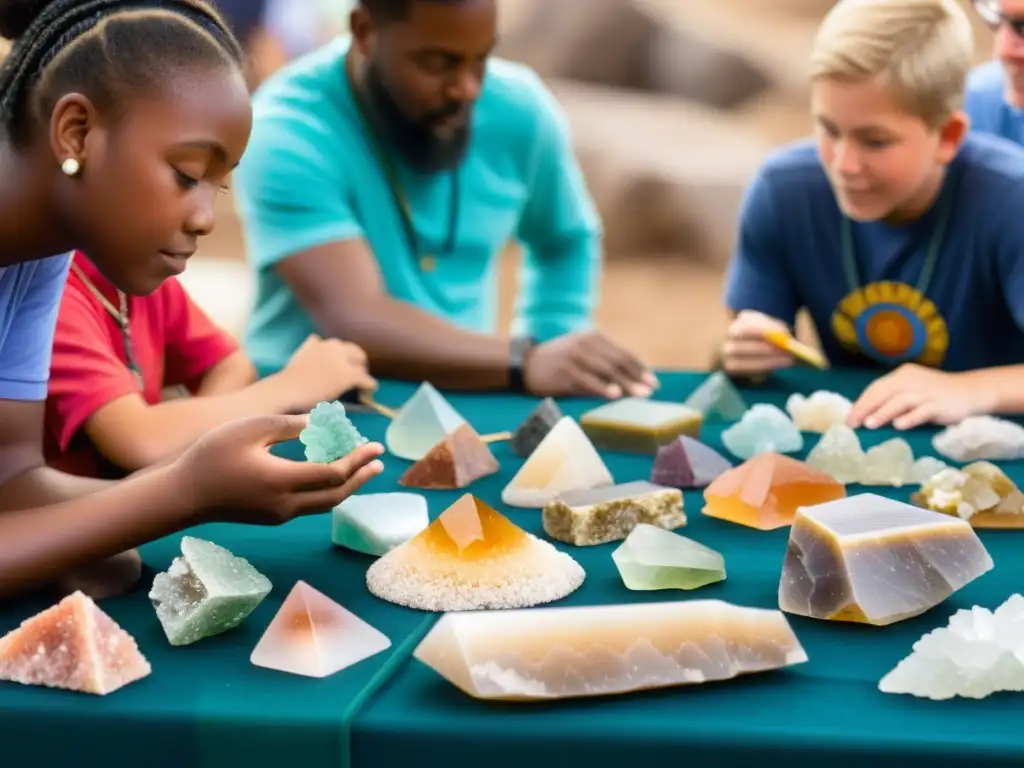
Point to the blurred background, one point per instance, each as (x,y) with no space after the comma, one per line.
(673,104)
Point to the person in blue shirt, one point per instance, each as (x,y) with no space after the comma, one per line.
(900,234)
(387,172)
(119,122)
(995,90)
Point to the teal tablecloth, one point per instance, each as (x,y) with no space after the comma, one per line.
(205,705)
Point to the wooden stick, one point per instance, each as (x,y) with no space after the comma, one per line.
(497,437)
(366,399)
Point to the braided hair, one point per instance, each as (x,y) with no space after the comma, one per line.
(104,49)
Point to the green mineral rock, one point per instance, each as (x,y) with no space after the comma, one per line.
(330,435)
(654,558)
(206,591)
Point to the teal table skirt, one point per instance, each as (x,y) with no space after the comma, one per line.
(206,705)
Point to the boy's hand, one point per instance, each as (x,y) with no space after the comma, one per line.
(233,477)
(746,353)
(322,369)
(913,395)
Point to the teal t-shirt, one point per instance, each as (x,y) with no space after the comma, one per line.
(311,176)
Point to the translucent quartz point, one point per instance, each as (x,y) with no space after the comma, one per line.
(638,425)
(376,523)
(602,650)
(535,428)
(608,514)
(653,558)
(718,396)
(763,429)
(564,461)
(687,463)
(977,654)
(873,560)
(889,463)
(458,460)
(205,592)
(330,435)
(819,412)
(980,493)
(473,558)
(72,645)
(838,454)
(312,635)
(981,438)
(925,468)
(766,491)
(421,424)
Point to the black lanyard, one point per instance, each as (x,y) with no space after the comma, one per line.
(426,261)
(849,254)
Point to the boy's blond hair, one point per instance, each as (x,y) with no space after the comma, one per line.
(920,49)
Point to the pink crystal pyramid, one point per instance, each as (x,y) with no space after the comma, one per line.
(312,635)
(72,645)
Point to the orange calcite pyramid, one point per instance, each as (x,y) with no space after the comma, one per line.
(765,491)
(312,635)
(472,557)
(460,458)
(72,645)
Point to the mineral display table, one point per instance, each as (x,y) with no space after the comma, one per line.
(205,705)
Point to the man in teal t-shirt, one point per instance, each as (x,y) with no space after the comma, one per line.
(385,175)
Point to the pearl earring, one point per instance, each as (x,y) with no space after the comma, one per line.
(70,167)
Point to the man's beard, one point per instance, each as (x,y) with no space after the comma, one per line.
(415,140)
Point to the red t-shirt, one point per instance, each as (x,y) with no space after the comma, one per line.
(173,341)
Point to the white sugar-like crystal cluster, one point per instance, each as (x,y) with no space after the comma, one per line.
(763,429)
(979,653)
(819,412)
(839,454)
(981,438)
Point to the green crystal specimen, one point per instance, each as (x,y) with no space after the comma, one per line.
(206,591)
(329,435)
(653,558)
(718,396)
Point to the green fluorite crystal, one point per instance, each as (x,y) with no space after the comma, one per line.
(654,558)
(329,435)
(206,591)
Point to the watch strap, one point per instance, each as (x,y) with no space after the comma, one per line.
(519,349)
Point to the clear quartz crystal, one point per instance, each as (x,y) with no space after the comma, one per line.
(819,412)
(890,463)
(838,454)
(763,429)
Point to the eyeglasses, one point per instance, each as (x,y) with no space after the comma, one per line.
(991,13)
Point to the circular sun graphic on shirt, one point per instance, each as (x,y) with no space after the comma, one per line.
(892,323)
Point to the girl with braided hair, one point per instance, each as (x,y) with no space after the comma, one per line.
(119,122)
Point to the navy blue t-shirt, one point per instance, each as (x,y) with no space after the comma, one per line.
(789,256)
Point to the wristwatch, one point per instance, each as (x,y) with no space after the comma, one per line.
(519,350)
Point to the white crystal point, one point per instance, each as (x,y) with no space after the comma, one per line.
(838,454)
(819,412)
(763,429)
(421,424)
(926,468)
(981,438)
(313,636)
(376,523)
(206,591)
(889,463)
(555,653)
(564,461)
(977,654)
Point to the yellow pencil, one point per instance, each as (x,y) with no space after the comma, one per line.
(797,349)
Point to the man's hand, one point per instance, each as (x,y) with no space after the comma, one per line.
(913,395)
(586,363)
(746,353)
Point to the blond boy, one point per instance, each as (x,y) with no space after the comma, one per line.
(899,233)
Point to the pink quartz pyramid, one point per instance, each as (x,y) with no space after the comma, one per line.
(312,635)
(72,645)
